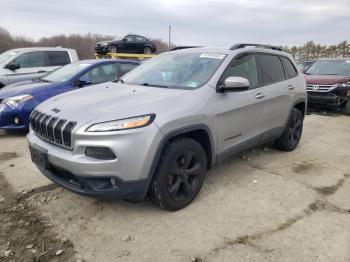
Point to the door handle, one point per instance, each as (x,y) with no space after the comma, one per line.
(259,95)
(290,87)
(42,71)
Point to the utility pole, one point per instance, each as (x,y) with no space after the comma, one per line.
(169,37)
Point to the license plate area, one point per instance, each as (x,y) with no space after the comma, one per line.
(39,157)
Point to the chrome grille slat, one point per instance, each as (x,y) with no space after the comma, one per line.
(52,129)
(320,88)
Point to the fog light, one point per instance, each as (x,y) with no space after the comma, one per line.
(113,182)
(16,120)
(102,153)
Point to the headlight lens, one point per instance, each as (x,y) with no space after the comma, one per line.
(14,101)
(122,124)
(104,44)
(345,84)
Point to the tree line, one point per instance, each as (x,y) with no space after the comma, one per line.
(83,44)
(311,50)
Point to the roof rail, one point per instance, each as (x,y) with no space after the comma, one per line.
(238,46)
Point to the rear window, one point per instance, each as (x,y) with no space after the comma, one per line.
(125,67)
(289,67)
(58,58)
(271,69)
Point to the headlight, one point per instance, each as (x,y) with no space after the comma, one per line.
(14,101)
(104,44)
(122,124)
(345,84)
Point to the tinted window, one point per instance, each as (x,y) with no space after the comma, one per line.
(289,67)
(34,59)
(243,66)
(58,58)
(130,38)
(140,39)
(271,69)
(124,68)
(102,73)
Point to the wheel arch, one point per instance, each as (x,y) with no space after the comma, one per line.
(200,132)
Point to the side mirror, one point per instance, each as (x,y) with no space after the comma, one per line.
(83,81)
(12,66)
(234,83)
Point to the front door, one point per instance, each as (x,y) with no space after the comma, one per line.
(241,114)
(31,65)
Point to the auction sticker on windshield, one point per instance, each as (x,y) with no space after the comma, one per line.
(216,56)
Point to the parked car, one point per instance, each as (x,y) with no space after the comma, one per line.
(28,63)
(166,122)
(129,44)
(304,65)
(328,83)
(18,100)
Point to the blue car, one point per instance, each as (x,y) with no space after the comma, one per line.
(17,101)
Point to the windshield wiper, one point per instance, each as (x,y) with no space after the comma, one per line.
(45,80)
(119,80)
(154,85)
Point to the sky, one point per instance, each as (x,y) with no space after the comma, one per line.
(219,23)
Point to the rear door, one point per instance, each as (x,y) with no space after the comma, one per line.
(32,65)
(241,113)
(277,85)
(140,43)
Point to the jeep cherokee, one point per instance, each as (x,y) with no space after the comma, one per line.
(158,129)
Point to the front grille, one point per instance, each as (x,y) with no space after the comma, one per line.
(52,129)
(320,88)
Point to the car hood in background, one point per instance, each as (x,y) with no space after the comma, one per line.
(326,79)
(113,101)
(26,87)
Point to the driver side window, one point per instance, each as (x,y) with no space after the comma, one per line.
(28,60)
(102,73)
(243,66)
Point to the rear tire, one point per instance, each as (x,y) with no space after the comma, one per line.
(147,50)
(180,174)
(291,135)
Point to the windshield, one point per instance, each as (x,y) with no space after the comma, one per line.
(64,73)
(6,55)
(175,70)
(330,67)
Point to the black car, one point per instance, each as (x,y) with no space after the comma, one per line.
(129,44)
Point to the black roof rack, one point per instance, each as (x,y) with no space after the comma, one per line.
(183,47)
(238,46)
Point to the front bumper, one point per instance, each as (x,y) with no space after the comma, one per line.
(8,116)
(101,49)
(325,99)
(130,171)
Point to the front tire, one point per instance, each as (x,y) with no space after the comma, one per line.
(291,135)
(112,49)
(180,174)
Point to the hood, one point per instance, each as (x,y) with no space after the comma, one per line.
(26,87)
(113,101)
(326,79)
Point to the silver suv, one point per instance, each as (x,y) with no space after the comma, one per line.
(158,129)
(28,63)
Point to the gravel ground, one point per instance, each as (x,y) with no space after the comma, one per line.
(263,205)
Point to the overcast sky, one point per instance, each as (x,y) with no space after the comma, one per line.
(194,22)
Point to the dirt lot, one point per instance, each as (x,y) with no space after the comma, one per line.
(262,206)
